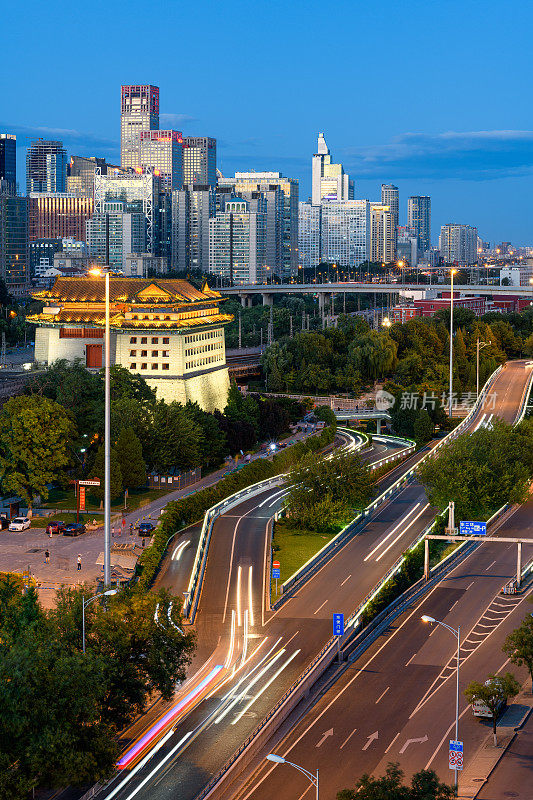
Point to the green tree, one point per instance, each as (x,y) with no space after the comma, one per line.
(423,427)
(176,438)
(374,354)
(129,454)
(492,692)
(519,645)
(35,434)
(212,444)
(98,470)
(425,785)
(129,384)
(242,408)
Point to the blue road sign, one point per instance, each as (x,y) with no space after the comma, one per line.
(276,574)
(472,528)
(455,755)
(338,624)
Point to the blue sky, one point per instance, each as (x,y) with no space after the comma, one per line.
(433,96)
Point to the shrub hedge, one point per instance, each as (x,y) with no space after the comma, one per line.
(180,513)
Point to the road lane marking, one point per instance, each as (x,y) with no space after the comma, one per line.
(402,533)
(451,609)
(413,741)
(469,585)
(325,736)
(393,531)
(390,745)
(490,565)
(371,738)
(265,687)
(318,609)
(346,579)
(382,695)
(414,654)
(348,738)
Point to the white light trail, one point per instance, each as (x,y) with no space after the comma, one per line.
(265,687)
(393,531)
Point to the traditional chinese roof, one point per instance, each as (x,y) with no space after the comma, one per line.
(88,289)
(81,301)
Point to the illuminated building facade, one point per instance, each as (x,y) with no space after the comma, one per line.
(162,153)
(139,111)
(330,182)
(458,244)
(345,232)
(165,330)
(309,234)
(46,166)
(14,243)
(419,221)
(58,216)
(237,243)
(382,233)
(200,160)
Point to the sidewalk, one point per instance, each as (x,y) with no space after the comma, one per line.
(474,777)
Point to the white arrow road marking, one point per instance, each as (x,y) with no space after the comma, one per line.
(325,736)
(371,738)
(413,741)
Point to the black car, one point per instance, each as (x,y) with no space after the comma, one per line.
(74,529)
(146,528)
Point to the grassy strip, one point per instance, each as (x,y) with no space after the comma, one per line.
(294,547)
(183,512)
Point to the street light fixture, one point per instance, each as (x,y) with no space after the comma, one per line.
(386,322)
(457,634)
(280,760)
(452,273)
(98,272)
(85,603)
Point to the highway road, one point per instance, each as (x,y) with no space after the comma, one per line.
(247,655)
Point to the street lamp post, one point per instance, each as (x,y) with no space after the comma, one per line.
(479,346)
(457,634)
(312,777)
(85,603)
(97,271)
(450,399)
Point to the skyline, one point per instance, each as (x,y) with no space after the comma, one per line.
(387,120)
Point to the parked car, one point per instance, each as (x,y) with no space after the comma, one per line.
(145,529)
(55,526)
(19,524)
(74,529)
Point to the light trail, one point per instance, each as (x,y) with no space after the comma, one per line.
(393,531)
(227,662)
(250,597)
(265,687)
(167,719)
(152,773)
(239,574)
(176,555)
(402,533)
(245,639)
(252,683)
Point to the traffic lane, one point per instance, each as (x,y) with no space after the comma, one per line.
(356,717)
(346,578)
(512,776)
(176,567)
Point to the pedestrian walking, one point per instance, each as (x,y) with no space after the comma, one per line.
(79,562)
(131,529)
(113,532)
(143,541)
(46,556)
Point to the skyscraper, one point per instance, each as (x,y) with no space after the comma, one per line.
(113,233)
(309,225)
(390,196)
(329,180)
(139,193)
(58,216)
(14,242)
(46,166)
(419,221)
(8,161)
(199,160)
(382,233)
(345,232)
(458,244)
(139,112)
(237,241)
(80,175)
(162,152)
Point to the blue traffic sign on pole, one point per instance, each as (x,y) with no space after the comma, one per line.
(338,624)
(455,755)
(470,528)
(276,574)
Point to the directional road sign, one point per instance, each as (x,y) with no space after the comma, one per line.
(276,573)
(472,528)
(455,755)
(94,482)
(338,624)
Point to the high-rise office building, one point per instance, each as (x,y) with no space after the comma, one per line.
(14,242)
(382,234)
(41,255)
(80,175)
(390,196)
(199,160)
(46,166)
(140,193)
(237,243)
(407,246)
(309,230)
(139,112)
(330,182)
(162,153)
(345,232)
(419,221)
(267,183)
(58,216)
(8,162)
(56,172)
(458,244)
(192,208)
(113,233)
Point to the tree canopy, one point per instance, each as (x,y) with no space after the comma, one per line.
(425,785)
